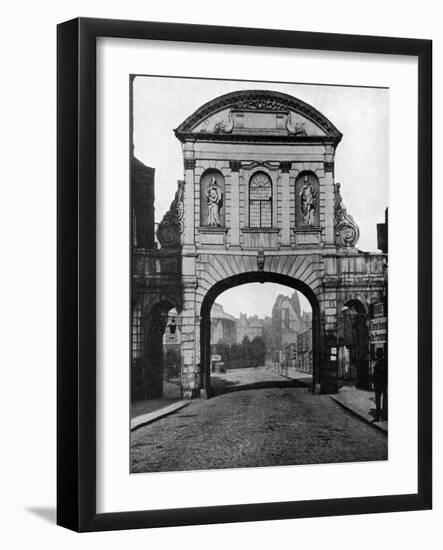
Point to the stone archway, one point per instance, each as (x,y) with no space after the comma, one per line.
(270,235)
(254,277)
(154,324)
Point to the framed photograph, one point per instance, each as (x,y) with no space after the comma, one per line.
(226,340)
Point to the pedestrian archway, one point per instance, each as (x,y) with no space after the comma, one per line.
(207,367)
(154,349)
(353,367)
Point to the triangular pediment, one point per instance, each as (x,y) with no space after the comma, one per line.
(257,113)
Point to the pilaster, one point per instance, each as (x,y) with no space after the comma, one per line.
(235,203)
(329,197)
(285,234)
(189,203)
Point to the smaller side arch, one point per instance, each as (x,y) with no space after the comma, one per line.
(147,347)
(354,331)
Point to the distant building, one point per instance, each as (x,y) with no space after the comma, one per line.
(249,326)
(286,320)
(223,326)
(306,320)
(303,361)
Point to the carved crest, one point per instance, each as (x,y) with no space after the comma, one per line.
(347,232)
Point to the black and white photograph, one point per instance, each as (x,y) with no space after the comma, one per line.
(220,284)
(259,274)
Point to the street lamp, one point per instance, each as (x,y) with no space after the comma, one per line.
(172,326)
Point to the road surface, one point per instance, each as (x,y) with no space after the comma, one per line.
(261,427)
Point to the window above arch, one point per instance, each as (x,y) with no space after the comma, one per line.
(260,200)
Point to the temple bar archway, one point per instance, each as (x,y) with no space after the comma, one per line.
(254,277)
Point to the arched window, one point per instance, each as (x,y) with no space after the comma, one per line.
(260,200)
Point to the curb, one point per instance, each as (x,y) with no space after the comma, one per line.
(148,418)
(300,381)
(361,416)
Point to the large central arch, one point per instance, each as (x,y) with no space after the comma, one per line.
(254,277)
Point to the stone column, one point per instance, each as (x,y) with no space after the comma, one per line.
(189,377)
(189,366)
(189,208)
(329,196)
(235,203)
(285,205)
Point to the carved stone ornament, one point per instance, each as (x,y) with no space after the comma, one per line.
(260,260)
(257,103)
(285,166)
(255,100)
(224,126)
(171,226)
(189,164)
(329,167)
(347,232)
(296,129)
(235,165)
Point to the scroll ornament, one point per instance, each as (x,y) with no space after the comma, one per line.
(347,232)
(221,126)
(171,226)
(296,128)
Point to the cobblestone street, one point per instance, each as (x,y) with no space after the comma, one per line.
(263,427)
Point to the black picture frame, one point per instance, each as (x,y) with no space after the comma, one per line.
(76,296)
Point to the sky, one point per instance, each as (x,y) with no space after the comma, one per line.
(256,299)
(161,104)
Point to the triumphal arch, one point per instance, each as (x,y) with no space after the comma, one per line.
(258,202)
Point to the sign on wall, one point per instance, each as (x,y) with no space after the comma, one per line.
(378,329)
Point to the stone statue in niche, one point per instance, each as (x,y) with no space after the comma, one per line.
(214,197)
(308,202)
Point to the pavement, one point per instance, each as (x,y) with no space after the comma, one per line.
(303,378)
(159,412)
(145,412)
(360,403)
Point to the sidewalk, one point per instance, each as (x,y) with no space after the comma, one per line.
(360,403)
(301,377)
(145,412)
(159,409)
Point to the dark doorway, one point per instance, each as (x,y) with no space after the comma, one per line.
(354,346)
